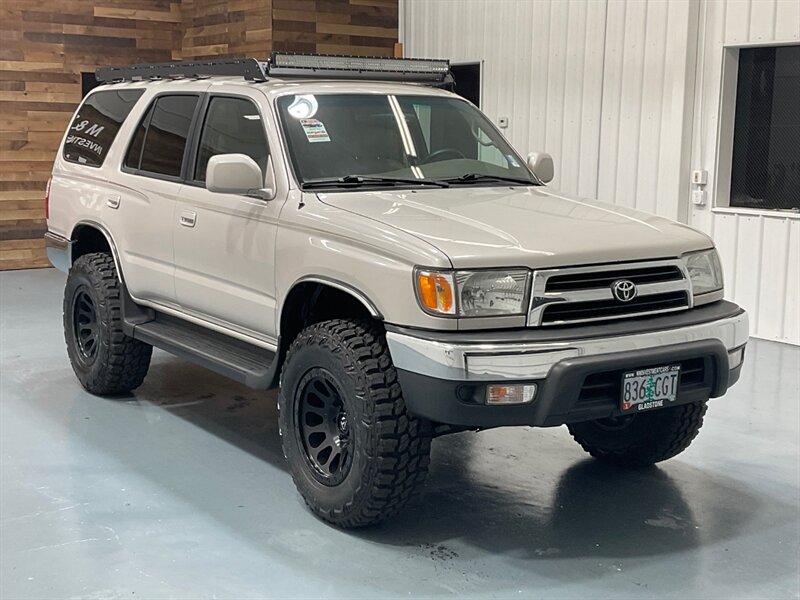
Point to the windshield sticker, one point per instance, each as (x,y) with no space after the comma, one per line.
(315,130)
(511,160)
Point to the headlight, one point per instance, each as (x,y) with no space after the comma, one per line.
(705,271)
(473,293)
(491,293)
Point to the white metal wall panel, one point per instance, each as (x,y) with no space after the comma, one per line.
(644,154)
(553,66)
(625,95)
(542,68)
(761,251)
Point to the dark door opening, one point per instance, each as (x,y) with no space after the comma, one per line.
(468,81)
(88,82)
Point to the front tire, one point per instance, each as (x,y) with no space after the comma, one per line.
(105,360)
(355,454)
(643,439)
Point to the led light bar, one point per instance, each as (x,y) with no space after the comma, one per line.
(358,67)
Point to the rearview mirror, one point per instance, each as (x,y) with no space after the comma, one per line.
(541,164)
(236,174)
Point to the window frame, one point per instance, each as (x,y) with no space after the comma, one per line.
(87,98)
(190,139)
(201,117)
(726,119)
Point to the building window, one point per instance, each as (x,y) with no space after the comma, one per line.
(766,139)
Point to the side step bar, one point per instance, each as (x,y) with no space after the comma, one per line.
(248,364)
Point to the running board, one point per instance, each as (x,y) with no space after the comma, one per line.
(248,364)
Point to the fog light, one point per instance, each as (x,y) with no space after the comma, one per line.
(510,394)
(735,357)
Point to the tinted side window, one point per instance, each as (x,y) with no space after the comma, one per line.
(232,125)
(165,139)
(96,125)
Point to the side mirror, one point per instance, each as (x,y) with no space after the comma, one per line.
(541,164)
(236,174)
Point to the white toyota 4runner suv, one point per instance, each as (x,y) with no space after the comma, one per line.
(352,232)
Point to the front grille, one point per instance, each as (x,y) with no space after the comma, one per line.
(607,309)
(584,294)
(585,281)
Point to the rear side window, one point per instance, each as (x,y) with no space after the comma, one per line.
(159,143)
(96,125)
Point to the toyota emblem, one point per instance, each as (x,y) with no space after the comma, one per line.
(624,290)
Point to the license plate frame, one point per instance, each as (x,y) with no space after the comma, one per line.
(649,389)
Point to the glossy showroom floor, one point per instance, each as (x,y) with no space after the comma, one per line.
(181,491)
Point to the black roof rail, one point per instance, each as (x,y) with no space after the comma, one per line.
(249,68)
(435,72)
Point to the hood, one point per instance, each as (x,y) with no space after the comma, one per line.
(533,227)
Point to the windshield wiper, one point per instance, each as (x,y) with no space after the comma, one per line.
(476,177)
(359,180)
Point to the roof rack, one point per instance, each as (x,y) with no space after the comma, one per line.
(249,68)
(286,64)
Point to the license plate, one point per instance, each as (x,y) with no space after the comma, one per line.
(647,389)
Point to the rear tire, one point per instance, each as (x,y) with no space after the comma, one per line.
(105,360)
(355,454)
(643,439)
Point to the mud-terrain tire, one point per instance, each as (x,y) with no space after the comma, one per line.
(105,360)
(339,391)
(642,439)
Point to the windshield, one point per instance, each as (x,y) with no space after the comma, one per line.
(395,140)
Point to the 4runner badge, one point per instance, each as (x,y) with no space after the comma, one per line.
(624,290)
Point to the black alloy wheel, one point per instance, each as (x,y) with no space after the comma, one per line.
(85,324)
(323,426)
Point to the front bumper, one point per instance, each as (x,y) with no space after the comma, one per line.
(577,370)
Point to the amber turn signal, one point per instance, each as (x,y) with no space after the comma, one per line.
(435,292)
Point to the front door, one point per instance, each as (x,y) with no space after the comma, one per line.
(225,243)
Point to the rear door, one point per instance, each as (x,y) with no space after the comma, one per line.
(144,195)
(225,243)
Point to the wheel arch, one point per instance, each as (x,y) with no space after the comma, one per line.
(315,298)
(91,236)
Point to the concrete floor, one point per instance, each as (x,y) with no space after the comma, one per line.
(181,492)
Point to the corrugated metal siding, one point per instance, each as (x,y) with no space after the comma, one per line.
(613,90)
(543,68)
(643,156)
(574,77)
(760,252)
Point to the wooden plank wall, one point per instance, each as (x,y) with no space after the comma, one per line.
(362,27)
(229,28)
(44,50)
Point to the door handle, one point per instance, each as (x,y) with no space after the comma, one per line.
(188,218)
